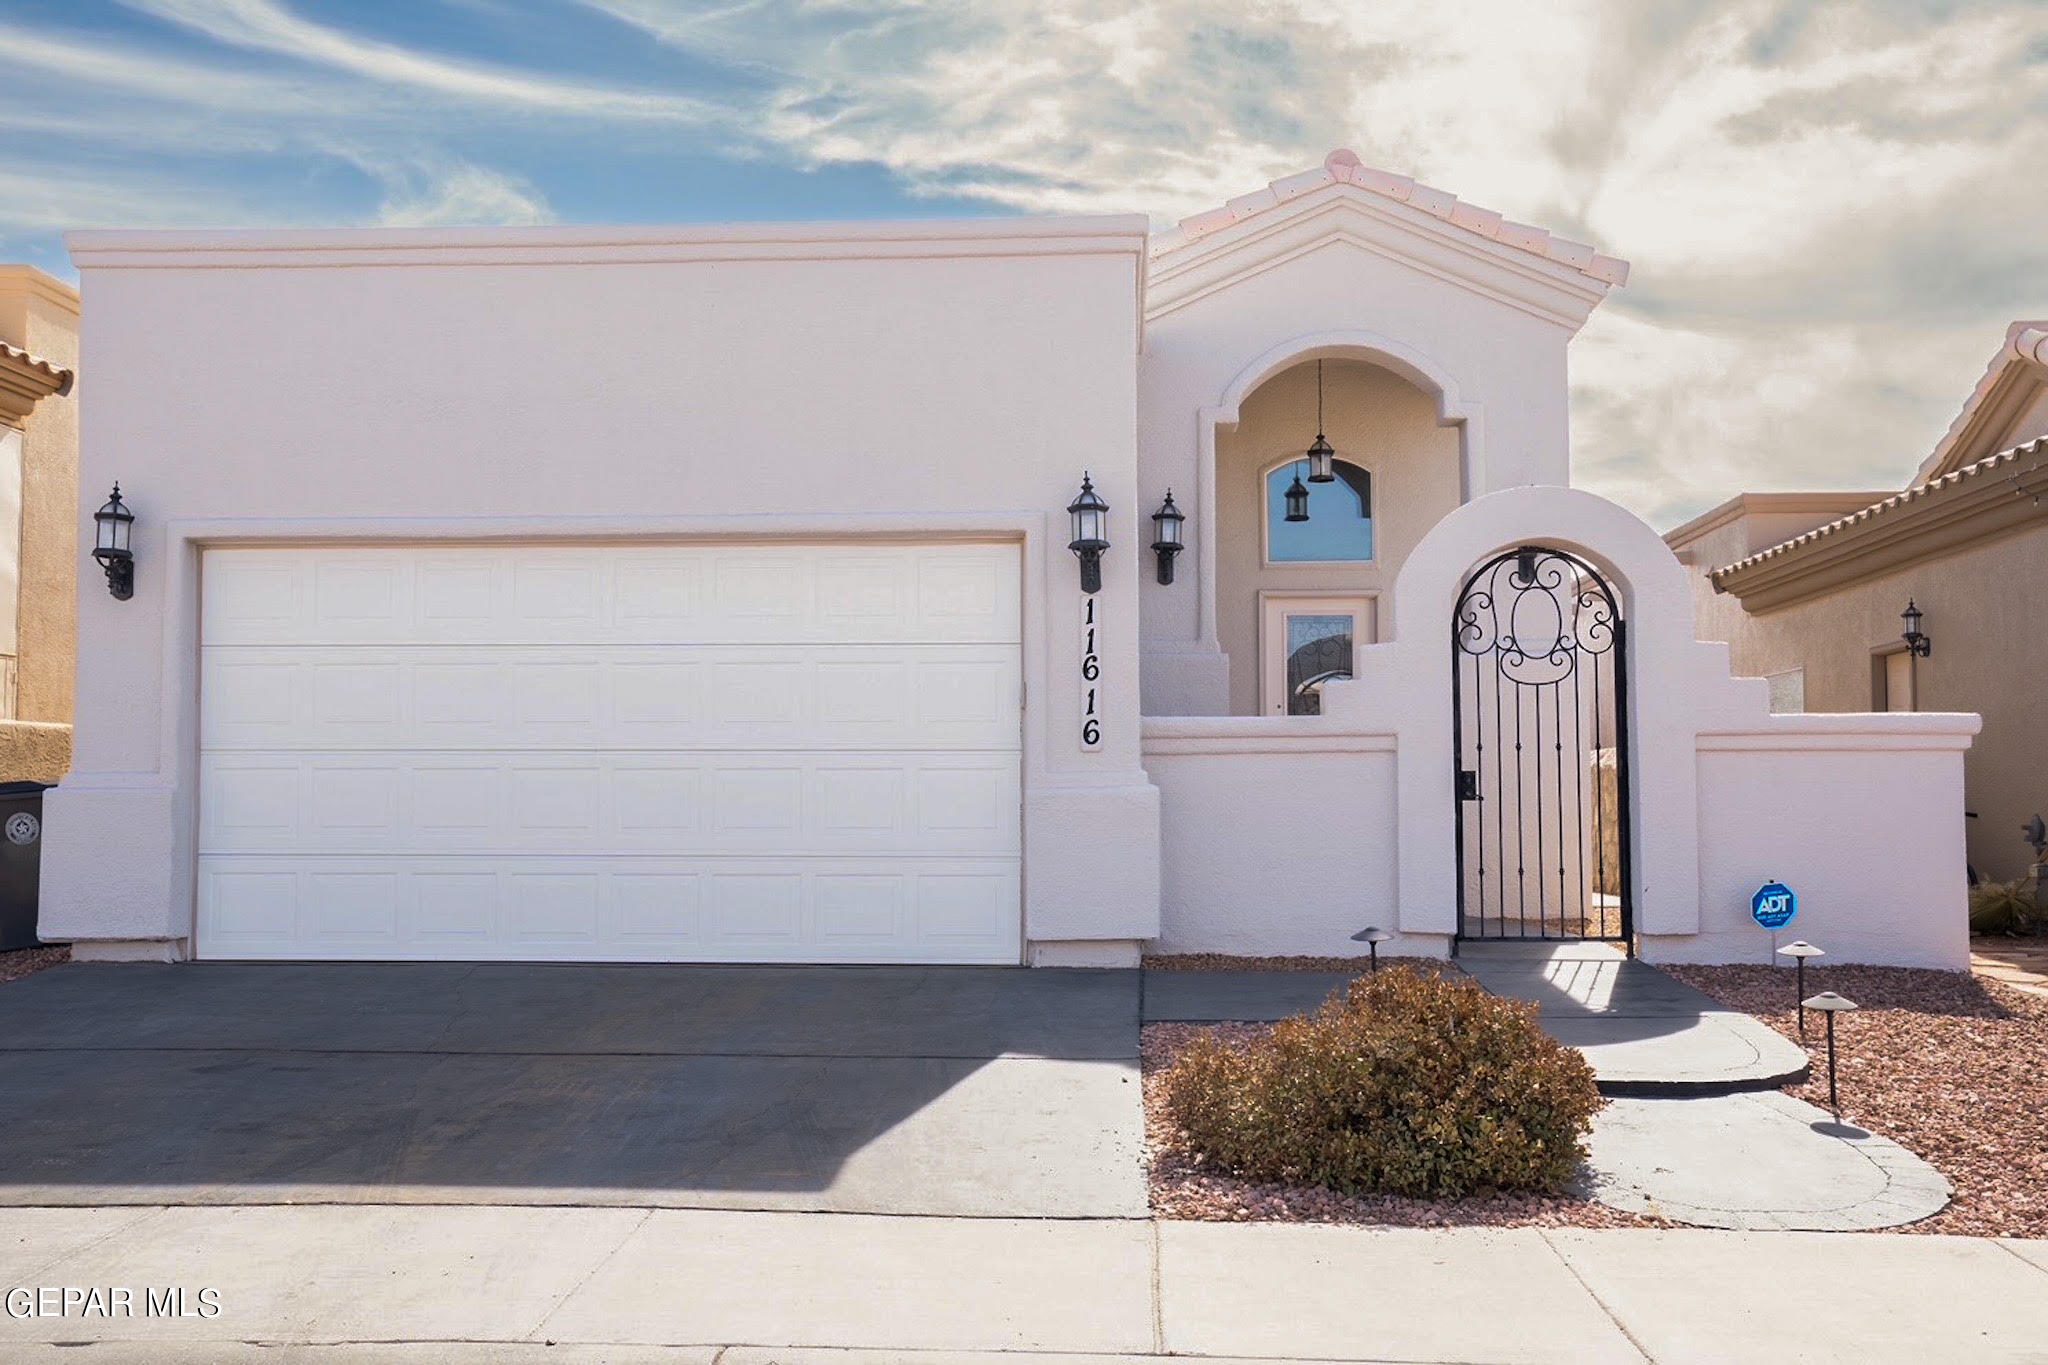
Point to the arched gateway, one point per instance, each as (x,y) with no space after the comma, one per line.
(1540,726)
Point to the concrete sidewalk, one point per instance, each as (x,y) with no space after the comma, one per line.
(476,1283)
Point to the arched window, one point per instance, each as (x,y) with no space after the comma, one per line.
(1339,525)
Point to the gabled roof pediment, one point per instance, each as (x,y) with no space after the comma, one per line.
(1393,215)
(2016,377)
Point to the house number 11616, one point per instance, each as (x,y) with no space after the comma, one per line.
(1091,677)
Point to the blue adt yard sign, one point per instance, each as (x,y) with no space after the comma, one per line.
(1773,905)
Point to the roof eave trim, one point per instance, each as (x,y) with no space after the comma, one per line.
(1978,503)
(26,380)
(1064,235)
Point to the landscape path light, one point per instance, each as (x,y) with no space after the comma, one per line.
(1831,1004)
(1372,936)
(1799,950)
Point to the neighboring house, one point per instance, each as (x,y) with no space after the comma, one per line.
(38,523)
(812,592)
(1809,589)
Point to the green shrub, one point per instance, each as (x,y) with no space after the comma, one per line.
(1415,1086)
(2004,908)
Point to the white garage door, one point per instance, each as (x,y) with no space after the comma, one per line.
(804,753)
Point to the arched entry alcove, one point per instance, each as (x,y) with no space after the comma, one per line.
(1403,446)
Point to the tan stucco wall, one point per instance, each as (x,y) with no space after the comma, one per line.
(1984,615)
(1376,420)
(34,751)
(40,315)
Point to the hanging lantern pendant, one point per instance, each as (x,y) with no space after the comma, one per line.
(1297,499)
(1322,459)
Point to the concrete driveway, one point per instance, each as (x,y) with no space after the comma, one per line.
(941,1090)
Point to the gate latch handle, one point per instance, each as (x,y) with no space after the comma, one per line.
(1468,785)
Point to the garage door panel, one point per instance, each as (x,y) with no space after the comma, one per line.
(679,697)
(724,753)
(767,594)
(509,802)
(608,909)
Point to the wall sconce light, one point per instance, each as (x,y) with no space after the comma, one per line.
(1322,459)
(1916,643)
(1090,517)
(1166,538)
(110,547)
(1297,499)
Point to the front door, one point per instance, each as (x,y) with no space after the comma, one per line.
(1306,640)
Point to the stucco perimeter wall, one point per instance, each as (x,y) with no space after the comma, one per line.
(1860,815)
(1280,832)
(905,380)
(1990,656)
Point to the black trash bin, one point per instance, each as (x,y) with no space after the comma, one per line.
(21,860)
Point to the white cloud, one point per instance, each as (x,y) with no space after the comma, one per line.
(459,194)
(1832,206)
(1829,205)
(271,27)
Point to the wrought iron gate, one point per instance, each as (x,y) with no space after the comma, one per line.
(1539,673)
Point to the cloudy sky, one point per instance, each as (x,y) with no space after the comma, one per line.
(1832,209)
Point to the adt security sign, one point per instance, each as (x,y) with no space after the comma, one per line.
(1773,905)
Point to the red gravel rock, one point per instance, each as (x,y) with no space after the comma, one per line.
(21,962)
(1953,1067)
(1183,1186)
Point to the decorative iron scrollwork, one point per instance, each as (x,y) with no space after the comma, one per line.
(1536,611)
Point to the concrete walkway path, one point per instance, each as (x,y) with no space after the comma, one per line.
(690,1287)
(2021,963)
(1761,1161)
(1645,1033)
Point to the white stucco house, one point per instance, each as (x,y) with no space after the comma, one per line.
(712,594)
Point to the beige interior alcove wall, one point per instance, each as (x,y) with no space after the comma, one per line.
(1378,421)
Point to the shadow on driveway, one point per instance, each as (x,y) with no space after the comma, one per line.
(959,1090)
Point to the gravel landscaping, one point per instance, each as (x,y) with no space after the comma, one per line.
(1950,1066)
(1182,1187)
(20,962)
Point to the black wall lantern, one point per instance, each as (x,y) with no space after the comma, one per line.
(1090,517)
(1297,499)
(1917,644)
(1322,460)
(111,546)
(1166,539)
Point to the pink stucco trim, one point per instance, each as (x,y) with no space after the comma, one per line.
(1342,167)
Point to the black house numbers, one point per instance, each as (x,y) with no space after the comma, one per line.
(1091,676)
